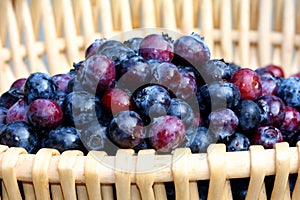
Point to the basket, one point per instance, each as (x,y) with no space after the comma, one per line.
(49,35)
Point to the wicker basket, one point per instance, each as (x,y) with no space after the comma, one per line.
(49,35)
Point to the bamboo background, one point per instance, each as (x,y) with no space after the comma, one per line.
(49,35)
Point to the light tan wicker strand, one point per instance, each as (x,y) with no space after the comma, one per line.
(85,22)
(168,15)
(207,21)
(107,191)
(91,173)
(4,192)
(281,188)
(44,16)
(256,189)
(180,173)
(135,192)
(65,24)
(26,30)
(123,170)
(56,192)
(28,191)
(66,173)
(40,177)
(9,177)
(244,28)
(225,27)
(216,158)
(9,30)
(296,192)
(264,31)
(160,191)
(288,35)
(144,173)
(148,15)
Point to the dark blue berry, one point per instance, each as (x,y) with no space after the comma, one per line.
(20,134)
(63,138)
(80,109)
(151,101)
(10,97)
(289,91)
(218,95)
(198,139)
(238,142)
(182,110)
(249,115)
(39,86)
(127,129)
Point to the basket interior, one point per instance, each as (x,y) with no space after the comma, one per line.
(48,36)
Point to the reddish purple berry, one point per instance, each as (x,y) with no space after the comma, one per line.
(267,136)
(44,114)
(18,112)
(19,84)
(248,82)
(97,75)
(116,100)
(92,49)
(291,122)
(157,47)
(62,81)
(166,133)
(223,123)
(191,50)
(273,110)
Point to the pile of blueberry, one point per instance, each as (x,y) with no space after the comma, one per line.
(151,92)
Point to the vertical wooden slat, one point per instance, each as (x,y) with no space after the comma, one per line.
(226,30)
(123,14)
(288,35)
(84,21)
(168,18)
(187,17)
(25,23)
(54,59)
(69,30)
(11,26)
(264,32)
(206,11)
(148,14)
(244,26)
(6,74)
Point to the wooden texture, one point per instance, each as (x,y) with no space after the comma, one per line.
(141,176)
(49,37)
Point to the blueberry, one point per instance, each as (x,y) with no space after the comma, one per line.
(289,91)
(249,115)
(218,95)
(238,142)
(127,129)
(80,109)
(10,97)
(151,101)
(39,86)
(3,114)
(199,138)
(182,110)
(223,123)
(63,138)
(94,137)
(20,134)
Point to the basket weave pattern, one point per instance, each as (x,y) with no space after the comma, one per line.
(48,36)
(70,175)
